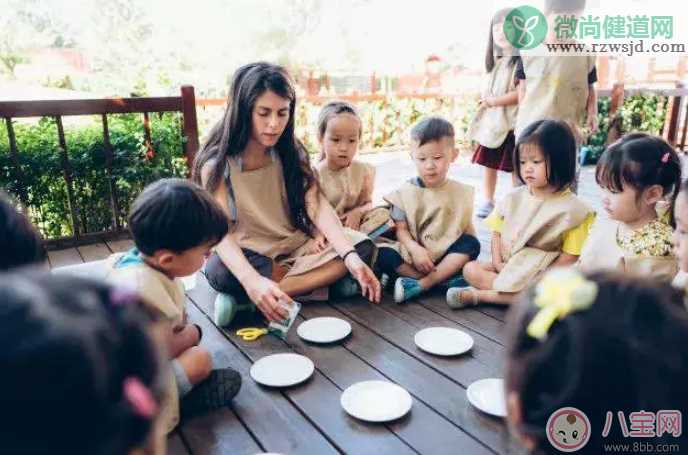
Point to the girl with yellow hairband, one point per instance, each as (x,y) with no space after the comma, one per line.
(601,344)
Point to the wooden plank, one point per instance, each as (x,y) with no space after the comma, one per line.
(118,246)
(189,124)
(175,445)
(424,383)
(62,258)
(90,106)
(318,398)
(94,252)
(272,419)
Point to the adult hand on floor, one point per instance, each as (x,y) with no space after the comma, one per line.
(268,297)
(370,286)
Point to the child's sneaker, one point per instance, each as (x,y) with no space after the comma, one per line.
(345,287)
(406,288)
(457,281)
(213,393)
(456,297)
(485,209)
(226,307)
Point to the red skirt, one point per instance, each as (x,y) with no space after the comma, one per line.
(500,158)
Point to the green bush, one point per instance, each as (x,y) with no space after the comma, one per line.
(133,166)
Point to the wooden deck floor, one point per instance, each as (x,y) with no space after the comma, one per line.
(308,419)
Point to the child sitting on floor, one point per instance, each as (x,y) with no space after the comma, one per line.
(347,183)
(586,354)
(20,243)
(637,172)
(536,226)
(80,368)
(433,217)
(174,224)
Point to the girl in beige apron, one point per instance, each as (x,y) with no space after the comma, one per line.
(493,124)
(259,172)
(537,226)
(638,172)
(347,184)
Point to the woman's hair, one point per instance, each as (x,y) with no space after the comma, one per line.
(229,137)
(331,110)
(20,243)
(557,143)
(493,50)
(177,215)
(76,362)
(641,161)
(625,352)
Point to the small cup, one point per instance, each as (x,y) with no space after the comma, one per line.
(282,328)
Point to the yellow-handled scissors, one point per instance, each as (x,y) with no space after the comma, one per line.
(251,333)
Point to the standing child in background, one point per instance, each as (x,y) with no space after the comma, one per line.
(537,226)
(80,366)
(637,172)
(346,183)
(557,87)
(493,125)
(20,243)
(174,224)
(433,217)
(602,344)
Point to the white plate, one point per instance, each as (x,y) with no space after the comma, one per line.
(443,341)
(282,370)
(376,401)
(488,396)
(324,330)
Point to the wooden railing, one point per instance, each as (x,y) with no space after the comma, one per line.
(185,104)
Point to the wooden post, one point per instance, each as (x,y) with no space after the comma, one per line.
(190,125)
(67,173)
(373,83)
(109,156)
(14,154)
(674,113)
(617,98)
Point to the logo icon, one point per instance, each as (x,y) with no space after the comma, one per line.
(525,27)
(568,429)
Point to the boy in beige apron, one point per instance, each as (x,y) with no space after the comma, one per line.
(539,225)
(433,217)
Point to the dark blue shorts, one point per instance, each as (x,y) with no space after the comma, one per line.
(388,260)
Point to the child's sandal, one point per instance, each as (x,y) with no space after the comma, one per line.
(456,297)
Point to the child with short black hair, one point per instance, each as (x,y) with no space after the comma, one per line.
(433,217)
(175,223)
(604,344)
(641,176)
(539,225)
(20,243)
(80,365)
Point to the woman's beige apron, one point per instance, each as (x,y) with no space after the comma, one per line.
(262,222)
(602,252)
(491,125)
(532,235)
(436,217)
(344,189)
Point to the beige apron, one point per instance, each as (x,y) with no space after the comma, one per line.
(532,234)
(344,189)
(556,88)
(436,217)
(262,219)
(602,252)
(491,125)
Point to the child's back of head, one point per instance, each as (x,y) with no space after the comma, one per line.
(176,215)
(601,343)
(20,243)
(79,367)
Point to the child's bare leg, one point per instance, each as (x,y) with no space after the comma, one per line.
(196,363)
(448,267)
(480,275)
(488,296)
(324,275)
(490,183)
(183,339)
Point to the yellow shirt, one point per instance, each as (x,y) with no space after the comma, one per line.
(573,238)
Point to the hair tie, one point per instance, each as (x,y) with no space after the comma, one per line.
(665,157)
(559,293)
(139,397)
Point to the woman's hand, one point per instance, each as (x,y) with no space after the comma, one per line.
(421,260)
(269,298)
(352,219)
(370,286)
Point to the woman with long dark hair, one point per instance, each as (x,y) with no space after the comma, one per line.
(256,168)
